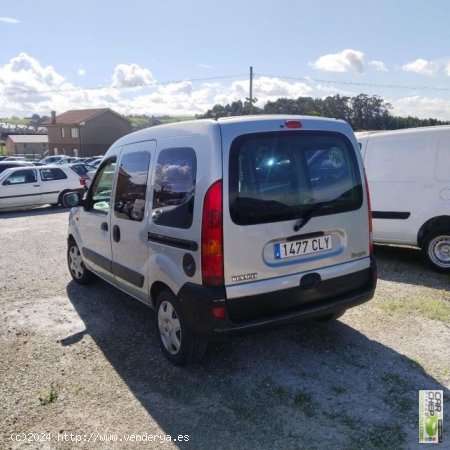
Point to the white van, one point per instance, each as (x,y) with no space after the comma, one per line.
(409,178)
(228,225)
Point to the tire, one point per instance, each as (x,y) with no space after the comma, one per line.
(436,250)
(330,317)
(80,274)
(60,197)
(177,342)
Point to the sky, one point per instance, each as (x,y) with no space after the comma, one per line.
(175,57)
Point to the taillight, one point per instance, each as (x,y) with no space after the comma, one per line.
(369,207)
(212,237)
(82,181)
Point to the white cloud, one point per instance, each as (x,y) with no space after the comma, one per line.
(421,66)
(422,107)
(131,75)
(81,71)
(344,61)
(183,88)
(378,65)
(10,20)
(24,81)
(205,66)
(27,87)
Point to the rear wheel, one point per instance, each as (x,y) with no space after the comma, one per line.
(78,270)
(176,341)
(60,197)
(436,250)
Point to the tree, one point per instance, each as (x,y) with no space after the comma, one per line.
(369,113)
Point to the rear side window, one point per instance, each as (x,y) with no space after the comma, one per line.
(283,176)
(21,177)
(52,174)
(132,186)
(174,187)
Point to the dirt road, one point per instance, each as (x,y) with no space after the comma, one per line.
(80,366)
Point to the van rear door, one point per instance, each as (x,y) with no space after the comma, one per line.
(296,204)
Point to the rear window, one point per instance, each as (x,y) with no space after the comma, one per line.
(283,176)
(52,174)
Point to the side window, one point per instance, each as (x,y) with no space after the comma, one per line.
(100,193)
(22,177)
(52,174)
(129,202)
(174,187)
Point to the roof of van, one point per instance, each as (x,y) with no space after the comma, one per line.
(260,117)
(202,126)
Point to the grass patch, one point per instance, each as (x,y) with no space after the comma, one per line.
(338,390)
(398,394)
(381,436)
(45,398)
(429,308)
(165,119)
(304,402)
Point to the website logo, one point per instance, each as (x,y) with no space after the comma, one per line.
(431,417)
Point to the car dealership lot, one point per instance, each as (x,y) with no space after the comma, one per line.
(84,361)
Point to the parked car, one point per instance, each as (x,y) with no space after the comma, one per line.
(15,158)
(95,162)
(92,158)
(52,159)
(67,160)
(12,164)
(82,170)
(409,178)
(228,225)
(24,187)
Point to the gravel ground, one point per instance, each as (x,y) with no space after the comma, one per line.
(82,363)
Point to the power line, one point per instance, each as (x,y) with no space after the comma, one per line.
(354,83)
(131,85)
(224,77)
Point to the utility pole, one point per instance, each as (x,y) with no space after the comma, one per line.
(251,90)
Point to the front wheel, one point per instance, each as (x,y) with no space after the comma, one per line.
(176,341)
(436,250)
(78,270)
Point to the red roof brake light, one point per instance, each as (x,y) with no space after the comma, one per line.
(293,124)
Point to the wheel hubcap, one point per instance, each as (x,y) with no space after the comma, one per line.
(76,262)
(440,251)
(169,327)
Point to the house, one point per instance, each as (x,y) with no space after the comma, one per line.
(84,132)
(34,145)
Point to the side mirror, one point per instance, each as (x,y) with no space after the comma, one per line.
(71,199)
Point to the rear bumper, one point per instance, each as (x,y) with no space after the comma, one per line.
(277,308)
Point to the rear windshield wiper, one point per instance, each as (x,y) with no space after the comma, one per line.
(310,212)
(307,216)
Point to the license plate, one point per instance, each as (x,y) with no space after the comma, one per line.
(290,249)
